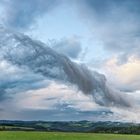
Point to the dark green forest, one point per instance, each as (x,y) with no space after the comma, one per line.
(71,126)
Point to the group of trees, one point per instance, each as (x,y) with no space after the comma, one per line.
(118,130)
(82,126)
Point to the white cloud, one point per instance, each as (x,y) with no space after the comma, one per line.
(126,115)
(61,99)
(125,77)
(53,95)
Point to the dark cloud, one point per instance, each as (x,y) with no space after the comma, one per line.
(15,79)
(116,23)
(22,13)
(70,47)
(22,51)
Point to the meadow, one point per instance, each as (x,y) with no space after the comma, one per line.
(5,135)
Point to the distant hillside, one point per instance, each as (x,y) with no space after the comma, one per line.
(71,126)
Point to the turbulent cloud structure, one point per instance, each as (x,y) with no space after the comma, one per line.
(61,79)
(23,52)
(21,14)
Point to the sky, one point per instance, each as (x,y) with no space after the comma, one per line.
(104,36)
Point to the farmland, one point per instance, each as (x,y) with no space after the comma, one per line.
(21,135)
(71,126)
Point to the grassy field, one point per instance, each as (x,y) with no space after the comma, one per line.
(63,136)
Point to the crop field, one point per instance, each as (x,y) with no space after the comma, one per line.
(5,135)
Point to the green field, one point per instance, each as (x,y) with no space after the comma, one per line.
(63,136)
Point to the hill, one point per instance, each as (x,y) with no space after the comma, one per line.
(71,126)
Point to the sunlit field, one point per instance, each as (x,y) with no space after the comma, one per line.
(63,136)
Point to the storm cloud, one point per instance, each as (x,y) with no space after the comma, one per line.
(40,59)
